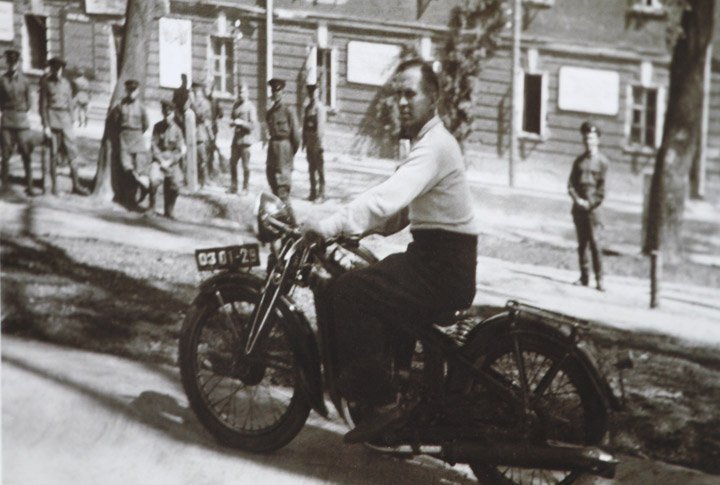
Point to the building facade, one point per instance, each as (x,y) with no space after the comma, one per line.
(607,61)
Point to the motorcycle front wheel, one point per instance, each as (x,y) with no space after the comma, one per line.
(565,407)
(251,403)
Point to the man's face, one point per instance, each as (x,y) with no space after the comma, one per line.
(276,94)
(11,62)
(591,141)
(168,114)
(242,95)
(415,105)
(55,69)
(132,93)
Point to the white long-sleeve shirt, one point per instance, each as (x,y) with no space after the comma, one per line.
(431,182)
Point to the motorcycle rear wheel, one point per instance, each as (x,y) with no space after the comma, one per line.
(569,409)
(254,404)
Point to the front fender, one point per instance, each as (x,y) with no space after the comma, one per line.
(297,326)
(490,329)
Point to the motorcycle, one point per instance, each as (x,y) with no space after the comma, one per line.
(513,395)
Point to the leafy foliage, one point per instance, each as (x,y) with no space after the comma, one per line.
(475,29)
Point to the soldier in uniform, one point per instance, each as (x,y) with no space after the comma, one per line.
(284,142)
(130,118)
(15,126)
(56,108)
(181,95)
(168,150)
(203,128)
(313,131)
(244,120)
(586,187)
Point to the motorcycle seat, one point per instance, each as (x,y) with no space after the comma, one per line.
(450,317)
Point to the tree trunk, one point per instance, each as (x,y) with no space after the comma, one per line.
(139,22)
(682,131)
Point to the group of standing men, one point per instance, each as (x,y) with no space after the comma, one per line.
(56,106)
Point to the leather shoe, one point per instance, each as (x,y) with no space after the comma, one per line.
(372,427)
(581,282)
(600,286)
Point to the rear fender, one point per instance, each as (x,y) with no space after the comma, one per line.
(490,329)
(299,331)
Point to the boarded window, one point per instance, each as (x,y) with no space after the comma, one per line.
(35,42)
(78,45)
(223,64)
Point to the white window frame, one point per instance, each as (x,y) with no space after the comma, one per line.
(543,135)
(26,57)
(313,74)
(660,105)
(221,91)
(648,7)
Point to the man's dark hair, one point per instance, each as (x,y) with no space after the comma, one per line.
(430,79)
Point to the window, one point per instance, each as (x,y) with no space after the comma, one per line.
(35,43)
(645,106)
(222,62)
(321,66)
(534,91)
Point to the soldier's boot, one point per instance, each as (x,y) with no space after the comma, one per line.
(29,189)
(5,174)
(246,182)
(53,175)
(170,199)
(321,193)
(599,283)
(152,196)
(77,187)
(313,191)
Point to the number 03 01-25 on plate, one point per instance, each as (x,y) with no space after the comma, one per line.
(228,257)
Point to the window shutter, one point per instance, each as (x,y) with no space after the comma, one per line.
(659,116)
(544,104)
(519,97)
(628,112)
(333,77)
(311,66)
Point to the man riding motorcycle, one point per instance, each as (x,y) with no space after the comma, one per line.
(430,192)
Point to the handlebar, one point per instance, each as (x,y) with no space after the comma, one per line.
(288,229)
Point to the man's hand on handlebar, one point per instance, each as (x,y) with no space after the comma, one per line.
(311,232)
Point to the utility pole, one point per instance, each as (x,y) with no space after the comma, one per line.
(515,91)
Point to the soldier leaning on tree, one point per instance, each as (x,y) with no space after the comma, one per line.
(15,125)
(130,118)
(56,108)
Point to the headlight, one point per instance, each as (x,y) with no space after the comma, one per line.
(267,205)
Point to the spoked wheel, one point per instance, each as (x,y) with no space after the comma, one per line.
(564,405)
(252,403)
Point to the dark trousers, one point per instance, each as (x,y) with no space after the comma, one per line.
(22,139)
(316,171)
(239,152)
(373,308)
(588,229)
(204,171)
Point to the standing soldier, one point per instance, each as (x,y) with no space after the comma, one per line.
(203,119)
(284,142)
(586,187)
(168,150)
(245,121)
(313,131)
(217,114)
(56,107)
(181,95)
(15,126)
(130,117)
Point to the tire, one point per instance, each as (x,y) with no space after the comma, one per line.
(570,411)
(226,390)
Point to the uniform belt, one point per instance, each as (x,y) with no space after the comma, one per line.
(279,138)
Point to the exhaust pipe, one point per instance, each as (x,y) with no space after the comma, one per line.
(524,455)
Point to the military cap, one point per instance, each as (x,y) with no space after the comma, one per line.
(56,61)
(276,84)
(167,105)
(12,53)
(311,86)
(589,127)
(132,84)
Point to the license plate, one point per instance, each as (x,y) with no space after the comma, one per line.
(228,257)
